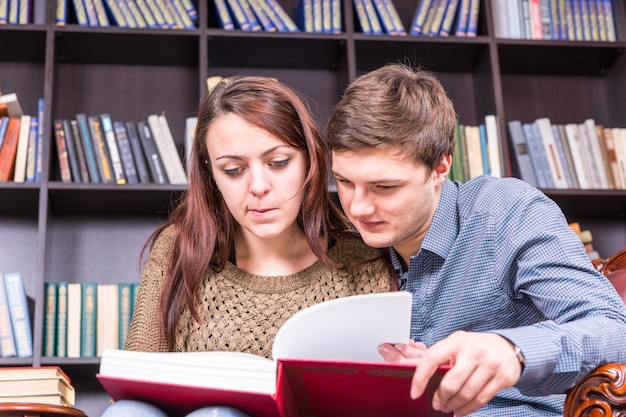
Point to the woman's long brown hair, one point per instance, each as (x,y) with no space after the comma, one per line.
(203,231)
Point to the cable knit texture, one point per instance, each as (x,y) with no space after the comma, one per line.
(242,312)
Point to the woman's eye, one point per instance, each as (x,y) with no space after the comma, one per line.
(232,171)
(279,164)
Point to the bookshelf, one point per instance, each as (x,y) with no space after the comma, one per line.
(53,231)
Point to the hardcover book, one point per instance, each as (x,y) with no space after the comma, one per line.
(325,364)
(19,313)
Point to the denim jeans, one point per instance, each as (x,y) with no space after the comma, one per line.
(132,408)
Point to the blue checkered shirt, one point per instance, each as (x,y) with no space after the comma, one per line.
(499,257)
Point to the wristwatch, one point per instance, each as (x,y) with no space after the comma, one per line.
(520,357)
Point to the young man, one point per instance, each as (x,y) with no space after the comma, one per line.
(502,287)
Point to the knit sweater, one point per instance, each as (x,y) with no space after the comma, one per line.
(242,312)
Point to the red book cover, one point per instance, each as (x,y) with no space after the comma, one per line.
(179,400)
(308,388)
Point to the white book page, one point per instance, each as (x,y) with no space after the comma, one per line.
(348,328)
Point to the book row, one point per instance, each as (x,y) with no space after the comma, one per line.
(477,150)
(20,141)
(570,156)
(574,20)
(164,14)
(97,149)
(262,15)
(41,385)
(16,338)
(446,17)
(22,12)
(83,319)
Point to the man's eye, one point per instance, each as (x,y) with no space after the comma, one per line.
(385,187)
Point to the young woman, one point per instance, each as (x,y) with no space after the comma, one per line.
(255,238)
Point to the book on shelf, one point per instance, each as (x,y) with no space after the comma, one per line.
(551,152)
(24,384)
(520,147)
(9,149)
(606,159)
(462,18)
(473,149)
(31,150)
(19,173)
(73,155)
(564,153)
(49,319)
(439,9)
(107,335)
(19,313)
(62,154)
(88,319)
(361,17)
(137,150)
(10,105)
(190,130)
(324,364)
(4,123)
(153,158)
(448,18)
(372,16)
(619,138)
(167,149)
(7,340)
(317,16)
(119,177)
(126,305)
(251,16)
(596,152)
(126,152)
(61,319)
(101,149)
(82,175)
(612,156)
(581,169)
(74,309)
(493,145)
(304,15)
(40,139)
(88,147)
(222,14)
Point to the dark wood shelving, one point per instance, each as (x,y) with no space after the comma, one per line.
(77,232)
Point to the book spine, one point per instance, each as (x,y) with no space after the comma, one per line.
(246,7)
(83,171)
(114,152)
(223,16)
(317,16)
(103,158)
(138,154)
(335,9)
(545,14)
(116,13)
(448,18)
(128,15)
(273,16)
(609,20)
(60,13)
(4,123)
(39,153)
(419,18)
(384,17)
(136,13)
(101,14)
(304,15)
(522,155)
(61,329)
(74,309)
(185,18)
(126,302)
(9,149)
(88,319)
(4,12)
(167,15)
(472,20)
(90,154)
(153,159)
(238,15)
(437,20)
(7,342)
(362,19)
(64,165)
(372,16)
(20,316)
(326,17)
(70,145)
(90,9)
(156,13)
(395,17)
(288,21)
(19,174)
(126,152)
(462,18)
(50,319)
(147,14)
(31,154)
(534,153)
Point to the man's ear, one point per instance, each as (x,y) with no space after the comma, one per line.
(442,170)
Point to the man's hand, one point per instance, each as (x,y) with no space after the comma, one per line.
(482,365)
(402,353)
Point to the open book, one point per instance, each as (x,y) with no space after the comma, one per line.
(326,363)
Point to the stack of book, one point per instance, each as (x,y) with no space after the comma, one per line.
(16,337)
(97,149)
(477,150)
(579,20)
(446,17)
(253,15)
(20,141)
(44,385)
(83,319)
(584,155)
(378,16)
(159,14)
